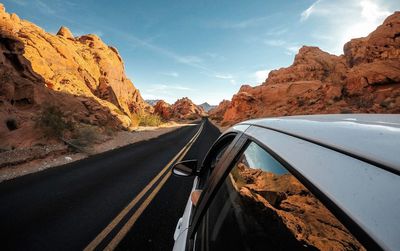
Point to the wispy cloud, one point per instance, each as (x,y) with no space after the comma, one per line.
(224,76)
(241,24)
(189,60)
(170,74)
(278,31)
(163,87)
(310,10)
(289,47)
(167,92)
(345,19)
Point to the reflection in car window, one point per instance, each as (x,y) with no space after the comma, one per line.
(262,206)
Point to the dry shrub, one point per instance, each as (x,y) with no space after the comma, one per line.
(149,120)
(52,121)
(85,136)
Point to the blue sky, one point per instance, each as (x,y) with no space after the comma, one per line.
(207,49)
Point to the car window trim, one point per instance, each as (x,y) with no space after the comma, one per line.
(343,218)
(215,181)
(217,145)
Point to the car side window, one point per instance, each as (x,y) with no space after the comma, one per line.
(214,156)
(261,205)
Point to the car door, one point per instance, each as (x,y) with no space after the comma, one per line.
(256,203)
(222,149)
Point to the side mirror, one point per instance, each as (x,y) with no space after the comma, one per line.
(185,168)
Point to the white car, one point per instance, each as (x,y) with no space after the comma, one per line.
(322,182)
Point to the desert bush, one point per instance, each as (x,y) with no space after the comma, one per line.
(85,136)
(52,121)
(149,120)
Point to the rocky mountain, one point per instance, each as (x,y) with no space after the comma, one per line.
(152,102)
(182,109)
(217,113)
(207,107)
(365,79)
(82,76)
(163,109)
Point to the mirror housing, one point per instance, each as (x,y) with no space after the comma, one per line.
(185,168)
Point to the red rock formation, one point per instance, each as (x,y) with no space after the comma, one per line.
(184,108)
(82,66)
(163,109)
(218,112)
(82,76)
(365,79)
(292,217)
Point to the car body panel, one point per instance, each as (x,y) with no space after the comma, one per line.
(371,137)
(182,226)
(352,160)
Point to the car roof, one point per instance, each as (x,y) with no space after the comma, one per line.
(371,137)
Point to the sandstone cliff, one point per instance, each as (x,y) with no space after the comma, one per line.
(163,109)
(182,109)
(82,76)
(365,79)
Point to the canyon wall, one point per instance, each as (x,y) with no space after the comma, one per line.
(82,76)
(365,79)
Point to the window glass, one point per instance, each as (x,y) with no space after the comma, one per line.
(262,206)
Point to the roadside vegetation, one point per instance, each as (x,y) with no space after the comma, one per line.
(150,120)
(79,136)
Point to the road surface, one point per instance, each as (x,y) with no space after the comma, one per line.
(124,199)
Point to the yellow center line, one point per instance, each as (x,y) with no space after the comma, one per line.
(103,234)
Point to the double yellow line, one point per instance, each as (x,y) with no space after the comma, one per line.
(128,225)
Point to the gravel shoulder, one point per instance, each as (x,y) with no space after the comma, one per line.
(21,162)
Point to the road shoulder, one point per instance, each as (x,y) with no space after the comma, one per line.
(51,159)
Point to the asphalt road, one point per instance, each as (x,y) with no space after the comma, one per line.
(65,208)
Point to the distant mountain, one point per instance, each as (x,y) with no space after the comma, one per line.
(152,102)
(207,107)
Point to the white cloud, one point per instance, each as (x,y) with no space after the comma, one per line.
(261,75)
(170,74)
(243,24)
(233,82)
(343,20)
(310,10)
(224,76)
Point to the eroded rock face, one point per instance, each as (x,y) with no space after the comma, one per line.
(84,67)
(83,77)
(365,79)
(184,108)
(218,112)
(163,109)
